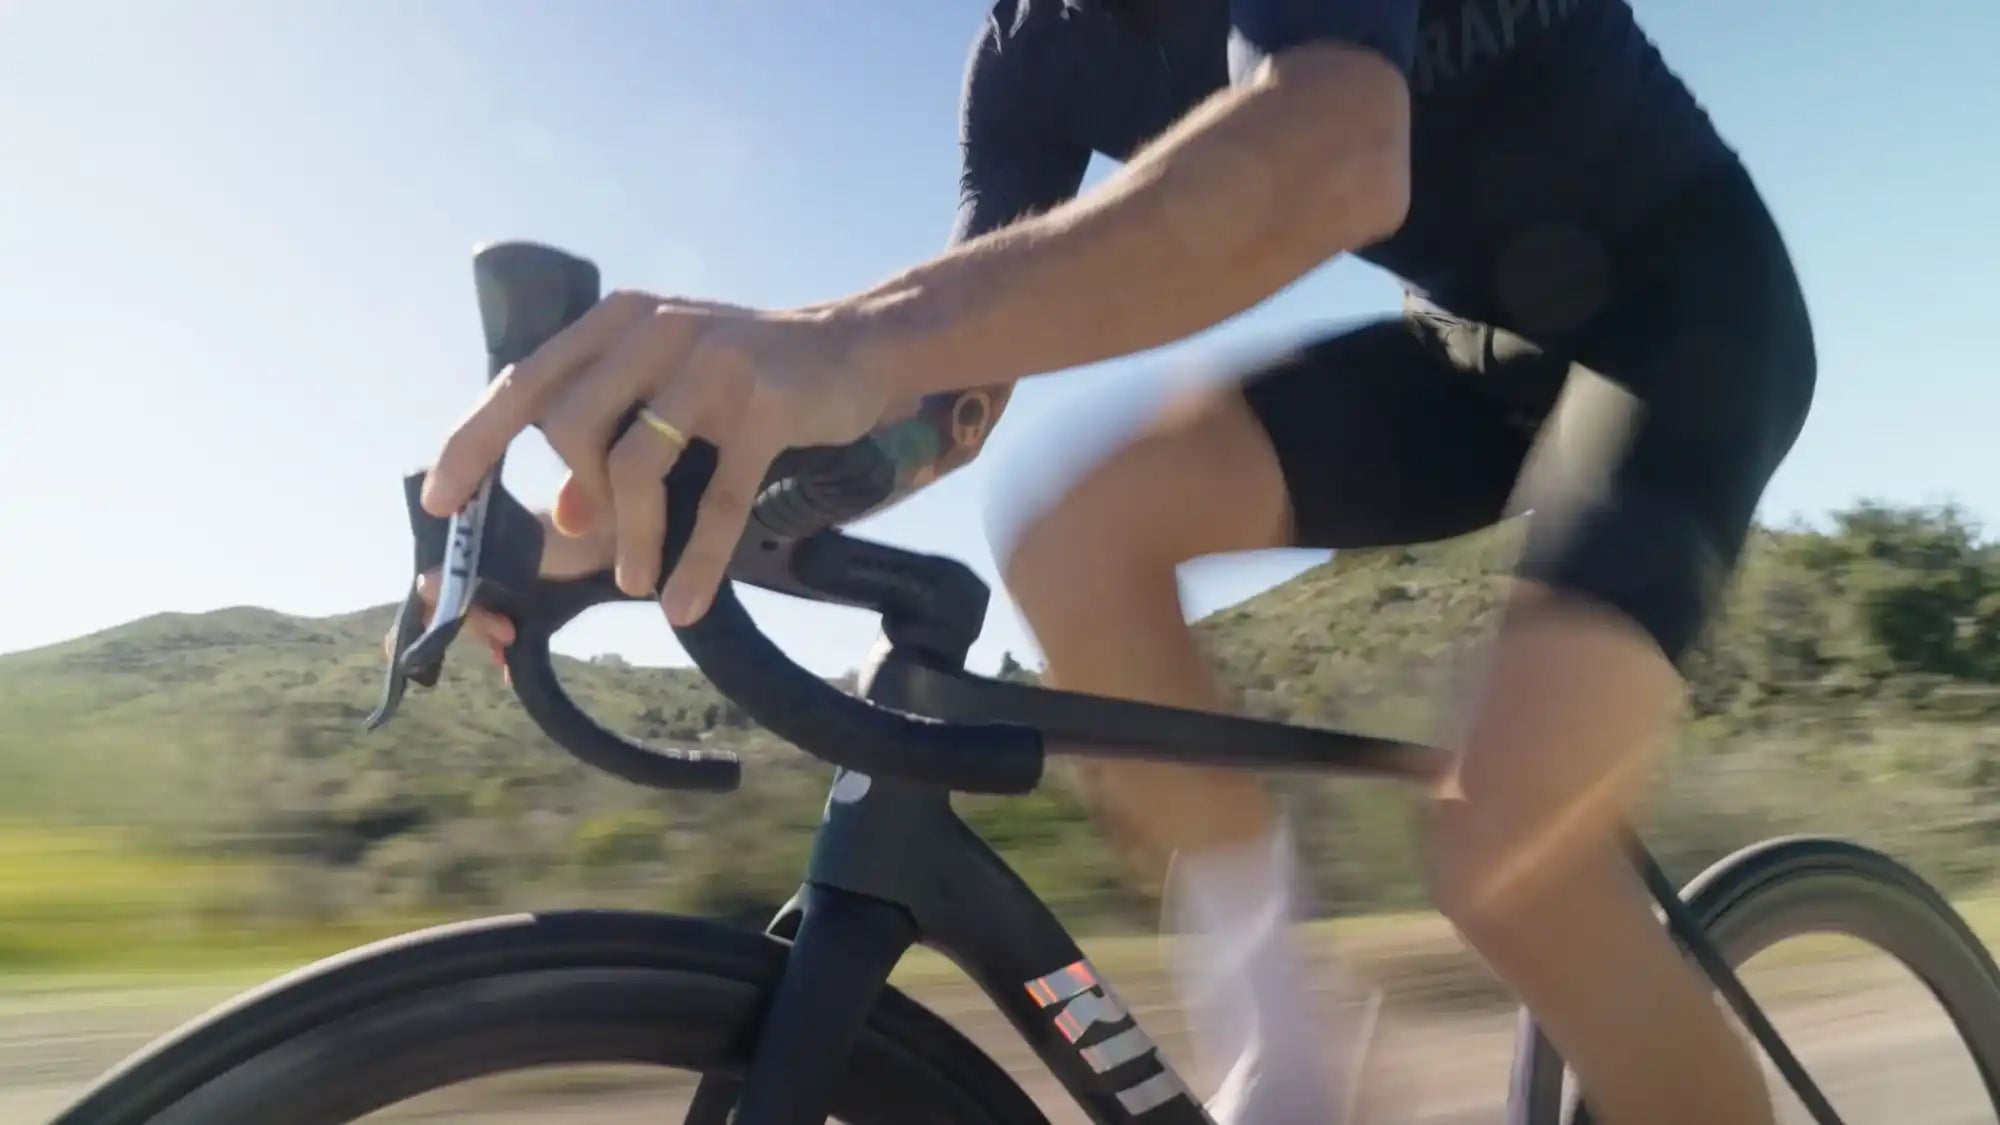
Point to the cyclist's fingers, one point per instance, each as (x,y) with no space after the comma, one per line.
(491,627)
(494,647)
(575,512)
(718,526)
(566,555)
(639,464)
(427,584)
(583,416)
(494,630)
(519,396)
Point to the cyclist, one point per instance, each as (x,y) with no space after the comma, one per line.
(1021,156)
(1603,327)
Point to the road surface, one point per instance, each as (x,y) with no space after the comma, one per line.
(1876,1041)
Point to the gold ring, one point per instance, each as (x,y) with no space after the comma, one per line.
(663,427)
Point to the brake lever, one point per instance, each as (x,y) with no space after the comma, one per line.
(458,548)
(397,675)
(527,293)
(465,538)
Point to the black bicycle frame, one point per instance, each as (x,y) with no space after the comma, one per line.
(894,866)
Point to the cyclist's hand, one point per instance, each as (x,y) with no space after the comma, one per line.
(563,556)
(751,383)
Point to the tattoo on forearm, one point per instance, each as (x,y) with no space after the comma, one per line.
(945,432)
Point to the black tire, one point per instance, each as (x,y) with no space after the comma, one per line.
(370,1028)
(1794,886)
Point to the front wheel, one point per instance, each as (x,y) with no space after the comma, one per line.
(1792,887)
(361,1032)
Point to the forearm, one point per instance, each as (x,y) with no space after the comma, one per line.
(1252,190)
(1012,168)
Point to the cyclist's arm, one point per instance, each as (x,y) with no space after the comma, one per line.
(1014,163)
(1306,158)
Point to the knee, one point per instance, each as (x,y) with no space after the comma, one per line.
(1114,522)
(1081,537)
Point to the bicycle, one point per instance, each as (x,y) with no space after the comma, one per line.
(799,1022)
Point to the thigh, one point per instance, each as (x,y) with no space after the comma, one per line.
(1385,437)
(1197,478)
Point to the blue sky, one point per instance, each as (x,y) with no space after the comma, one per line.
(235,301)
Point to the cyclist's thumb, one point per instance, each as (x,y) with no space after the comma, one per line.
(575,513)
(573,556)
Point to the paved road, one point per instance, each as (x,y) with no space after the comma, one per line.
(1881,1047)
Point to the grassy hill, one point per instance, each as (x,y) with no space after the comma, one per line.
(1847,689)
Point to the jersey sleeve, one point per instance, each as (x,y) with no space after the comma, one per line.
(1261,28)
(1015,159)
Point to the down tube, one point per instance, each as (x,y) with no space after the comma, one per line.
(995,927)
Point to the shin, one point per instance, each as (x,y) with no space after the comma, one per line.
(1527,859)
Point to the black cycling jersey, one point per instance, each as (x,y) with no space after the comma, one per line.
(1541,130)
(1571,207)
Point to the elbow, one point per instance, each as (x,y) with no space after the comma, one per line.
(1357,142)
(1359,196)
(1371,182)
(1377,195)
(1381,199)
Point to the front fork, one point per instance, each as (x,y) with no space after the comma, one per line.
(844,946)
